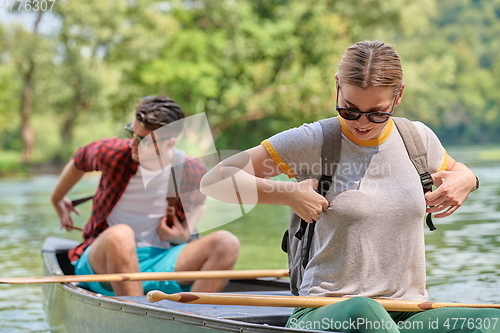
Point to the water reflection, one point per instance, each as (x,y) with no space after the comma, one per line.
(463,254)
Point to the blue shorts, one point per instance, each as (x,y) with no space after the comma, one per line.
(151,259)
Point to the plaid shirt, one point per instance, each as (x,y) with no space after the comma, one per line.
(114,159)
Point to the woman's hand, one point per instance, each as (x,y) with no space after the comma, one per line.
(453,187)
(306,202)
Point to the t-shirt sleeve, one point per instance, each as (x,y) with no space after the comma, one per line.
(88,158)
(298,150)
(437,158)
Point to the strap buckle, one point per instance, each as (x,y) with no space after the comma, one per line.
(426,180)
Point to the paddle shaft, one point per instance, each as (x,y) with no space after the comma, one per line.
(297,301)
(75,228)
(163,276)
(76,202)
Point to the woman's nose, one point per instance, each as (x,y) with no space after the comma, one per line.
(363,120)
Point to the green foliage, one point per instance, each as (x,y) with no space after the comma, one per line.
(256,67)
(248,63)
(456,71)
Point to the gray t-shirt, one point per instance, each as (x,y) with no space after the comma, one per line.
(370,240)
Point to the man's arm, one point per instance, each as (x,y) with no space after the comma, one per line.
(63,206)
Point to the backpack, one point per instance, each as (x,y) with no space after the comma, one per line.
(298,237)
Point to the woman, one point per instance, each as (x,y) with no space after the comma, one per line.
(369,239)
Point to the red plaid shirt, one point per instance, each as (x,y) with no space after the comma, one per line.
(114,159)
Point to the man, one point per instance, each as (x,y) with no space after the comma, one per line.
(132,227)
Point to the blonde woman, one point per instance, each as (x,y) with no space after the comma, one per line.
(369,236)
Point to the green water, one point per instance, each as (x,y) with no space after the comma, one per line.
(463,255)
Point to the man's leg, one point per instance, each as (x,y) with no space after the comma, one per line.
(216,251)
(114,251)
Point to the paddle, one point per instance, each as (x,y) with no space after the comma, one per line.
(185,275)
(297,301)
(76,202)
(75,228)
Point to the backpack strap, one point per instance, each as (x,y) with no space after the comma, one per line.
(174,184)
(176,173)
(330,157)
(418,156)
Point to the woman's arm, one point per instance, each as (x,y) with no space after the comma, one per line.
(243,179)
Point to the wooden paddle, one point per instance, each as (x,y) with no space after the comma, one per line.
(297,301)
(185,275)
(75,228)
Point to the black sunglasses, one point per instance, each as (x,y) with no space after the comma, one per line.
(131,134)
(376,117)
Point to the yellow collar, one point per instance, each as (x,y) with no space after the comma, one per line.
(372,142)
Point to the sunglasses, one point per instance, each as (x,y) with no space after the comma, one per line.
(376,117)
(131,134)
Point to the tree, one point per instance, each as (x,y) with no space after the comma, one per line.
(24,50)
(247,62)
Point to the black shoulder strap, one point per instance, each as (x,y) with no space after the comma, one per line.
(330,157)
(330,153)
(418,155)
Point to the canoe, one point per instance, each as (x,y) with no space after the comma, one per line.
(70,308)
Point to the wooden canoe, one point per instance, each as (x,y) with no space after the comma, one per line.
(71,308)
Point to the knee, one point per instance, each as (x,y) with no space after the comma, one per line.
(359,307)
(120,235)
(225,243)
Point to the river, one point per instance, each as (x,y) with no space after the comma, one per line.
(463,254)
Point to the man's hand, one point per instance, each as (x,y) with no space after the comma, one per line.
(64,207)
(177,234)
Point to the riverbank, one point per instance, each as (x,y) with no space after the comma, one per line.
(12,166)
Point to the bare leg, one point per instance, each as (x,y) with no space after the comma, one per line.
(113,251)
(216,251)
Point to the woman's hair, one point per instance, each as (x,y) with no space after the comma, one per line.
(371,64)
(157,111)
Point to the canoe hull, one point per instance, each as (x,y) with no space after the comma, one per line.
(71,309)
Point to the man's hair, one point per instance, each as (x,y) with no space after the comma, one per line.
(371,64)
(157,111)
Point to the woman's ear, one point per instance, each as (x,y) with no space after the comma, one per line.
(400,93)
